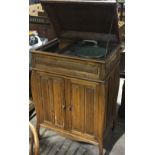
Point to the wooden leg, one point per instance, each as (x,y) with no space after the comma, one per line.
(100,149)
(113,125)
(32,142)
(38,129)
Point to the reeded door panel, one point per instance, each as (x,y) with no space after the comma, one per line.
(53,99)
(84,107)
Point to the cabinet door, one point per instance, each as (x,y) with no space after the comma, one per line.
(51,97)
(83,107)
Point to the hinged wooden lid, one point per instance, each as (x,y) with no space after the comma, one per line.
(83,19)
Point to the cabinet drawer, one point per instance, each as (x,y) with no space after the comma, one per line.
(67,66)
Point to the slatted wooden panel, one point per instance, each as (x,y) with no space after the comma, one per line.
(112,86)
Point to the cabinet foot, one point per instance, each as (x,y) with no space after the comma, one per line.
(100,149)
(113,125)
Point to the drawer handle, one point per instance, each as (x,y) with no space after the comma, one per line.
(64,107)
(69,108)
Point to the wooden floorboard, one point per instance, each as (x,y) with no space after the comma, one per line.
(56,149)
(73,148)
(52,143)
(65,147)
(81,151)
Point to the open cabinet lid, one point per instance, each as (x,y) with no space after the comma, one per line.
(83,19)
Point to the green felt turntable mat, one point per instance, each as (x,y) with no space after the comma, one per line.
(90,52)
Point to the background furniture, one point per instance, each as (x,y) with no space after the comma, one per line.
(39,22)
(34,141)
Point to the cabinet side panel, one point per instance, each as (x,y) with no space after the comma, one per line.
(112,87)
(116,88)
(110,98)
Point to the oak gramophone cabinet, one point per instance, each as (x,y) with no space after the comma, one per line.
(75,77)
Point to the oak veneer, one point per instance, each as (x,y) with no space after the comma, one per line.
(76,96)
(77,108)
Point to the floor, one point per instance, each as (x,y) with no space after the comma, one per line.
(53,144)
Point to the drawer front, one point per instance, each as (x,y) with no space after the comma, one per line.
(71,67)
